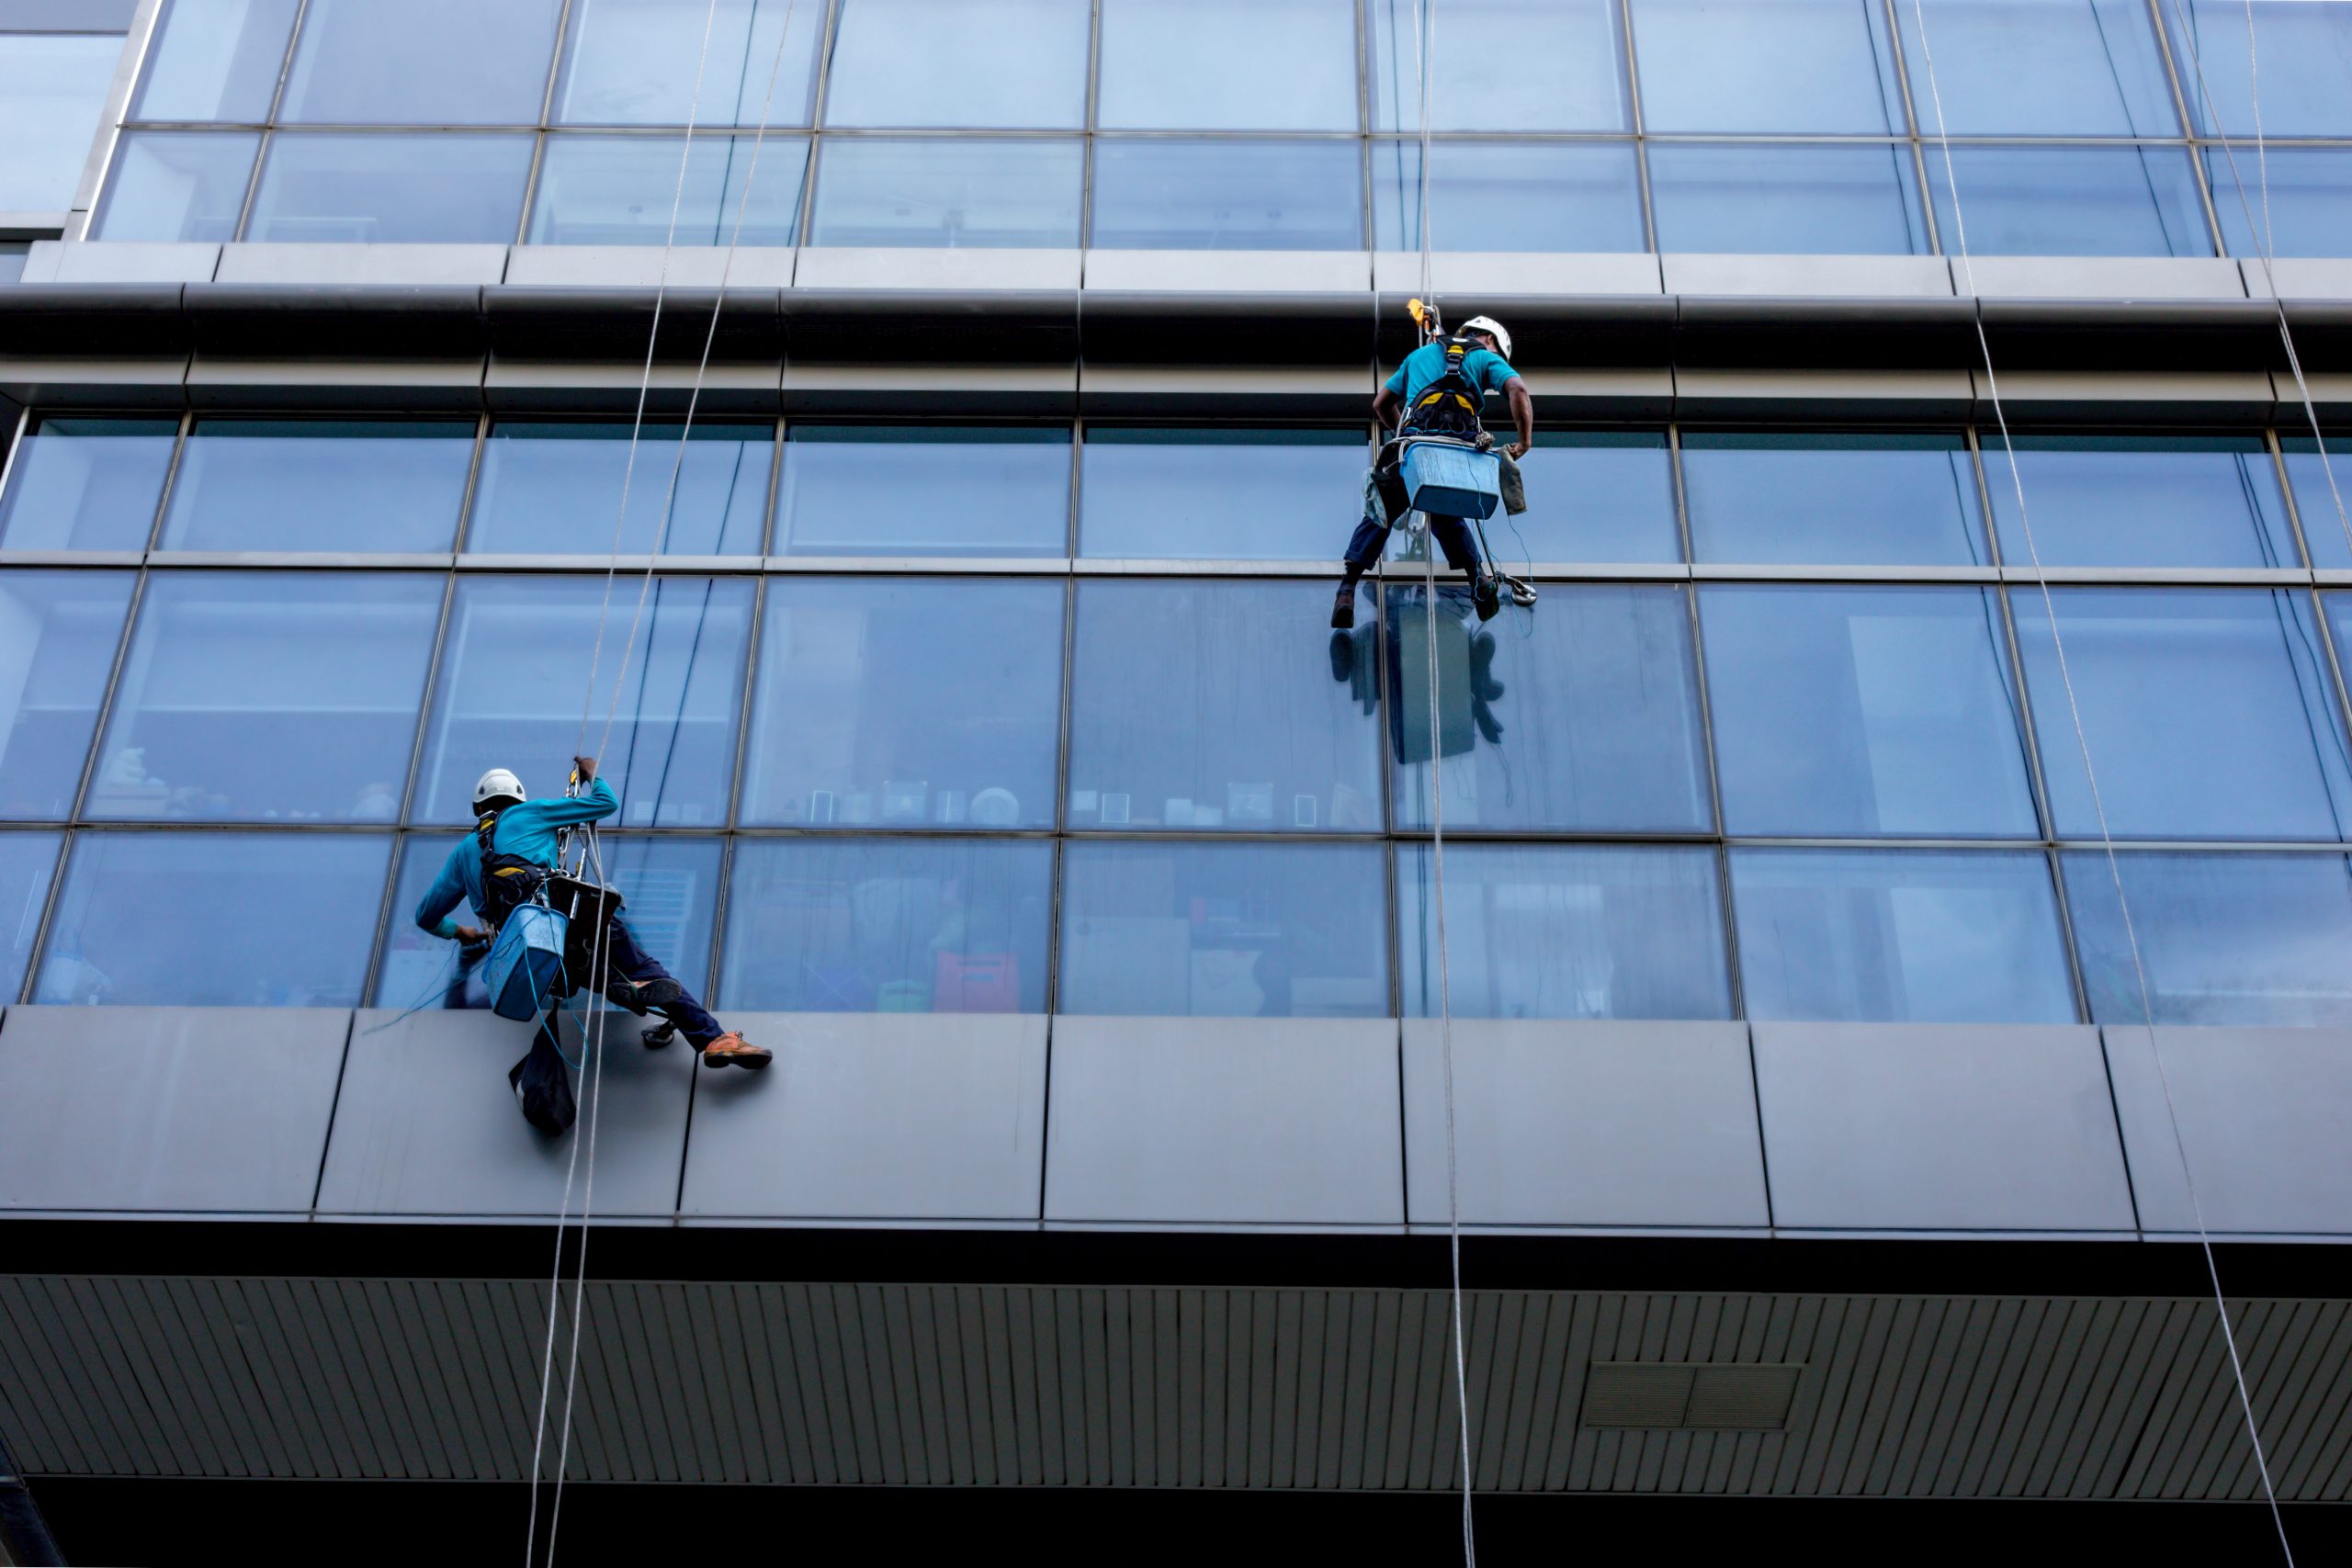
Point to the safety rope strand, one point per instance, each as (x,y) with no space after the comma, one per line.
(2098,805)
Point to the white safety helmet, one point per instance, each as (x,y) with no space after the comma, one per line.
(496,785)
(1489,325)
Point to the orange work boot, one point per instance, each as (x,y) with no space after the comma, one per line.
(732,1047)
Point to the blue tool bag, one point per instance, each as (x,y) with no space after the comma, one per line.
(1446,481)
(525,963)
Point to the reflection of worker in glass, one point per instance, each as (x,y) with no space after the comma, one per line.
(1465,657)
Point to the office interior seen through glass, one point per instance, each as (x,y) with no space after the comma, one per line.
(1786,740)
(1793,125)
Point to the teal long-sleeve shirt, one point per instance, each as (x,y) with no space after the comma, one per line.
(529,831)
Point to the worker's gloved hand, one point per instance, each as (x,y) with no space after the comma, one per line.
(585,767)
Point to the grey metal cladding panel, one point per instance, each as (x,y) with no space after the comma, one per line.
(204,1110)
(1579,1122)
(1787,276)
(2266,1116)
(648,267)
(876,1116)
(275,263)
(2295,277)
(1243,272)
(947,270)
(1225,1121)
(1519,272)
(121,261)
(428,1125)
(1939,1127)
(2099,277)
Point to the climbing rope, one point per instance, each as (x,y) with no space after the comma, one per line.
(2098,805)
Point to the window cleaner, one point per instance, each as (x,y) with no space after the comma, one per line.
(1441,461)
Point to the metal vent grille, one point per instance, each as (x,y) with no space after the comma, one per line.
(1690,1396)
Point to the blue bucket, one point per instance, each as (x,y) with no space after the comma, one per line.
(525,963)
(1452,482)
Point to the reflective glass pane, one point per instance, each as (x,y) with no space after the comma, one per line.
(670,886)
(906,701)
(1563,70)
(512,685)
(888,925)
(12,260)
(86,484)
(1564,931)
(1595,495)
(59,631)
(1584,716)
(2030,68)
(1222,930)
(1210,705)
(378,190)
(557,488)
(2323,508)
(216,60)
(280,696)
(255,484)
(1787,200)
(969,192)
(888,490)
(2226,939)
(1820,498)
(2142,500)
(1015,64)
(420,970)
(2072,201)
(1216,494)
(1916,936)
(1228,65)
(420,62)
(1766,65)
(633,62)
(1851,712)
(27,861)
(287,919)
(620,190)
(2310,196)
(2301,54)
(53,89)
(176,185)
(2208,713)
(1495,196)
(1228,196)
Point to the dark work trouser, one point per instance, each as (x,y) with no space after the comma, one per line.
(632,962)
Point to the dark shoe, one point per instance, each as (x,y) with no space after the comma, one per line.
(1344,608)
(641,997)
(659,1036)
(1486,595)
(733,1048)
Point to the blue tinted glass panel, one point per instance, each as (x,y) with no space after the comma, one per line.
(1228,196)
(176,185)
(1919,936)
(513,679)
(1584,716)
(287,919)
(59,631)
(1013,64)
(2322,506)
(1211,705)
(1595,495)
(671,888)
(620,190)
(12,260)
(557,488)
(2072,201)
(2208,713)
(2143,500)
(421,970)
(321,485)
(906,703)
(1846,712)
(2310,202)
(1784,199)
(1216,494)
(53,90)
(889,490)
(2301,55)
(1222,930)
(878,925)
(1563,69)
(279,696)
(634,62)
(375,190)
(422,62)
(1823,499)
(1766,65)
(216,60)
(966,193)
(27,861)
(2030,68)
(1490,196)
(1228,65)
(1561,931)
(86,484)
(2226,939)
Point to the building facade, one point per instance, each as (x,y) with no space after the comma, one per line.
(1894,884)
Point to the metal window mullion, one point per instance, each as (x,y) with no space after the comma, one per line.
(556,58)
(427,696)
(2172,78)
(38,952)
(15,447)
(1061,796)
(753,640)
(2277,450)
(286,65)
(524,213)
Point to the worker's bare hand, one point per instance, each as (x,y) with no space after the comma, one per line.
(471,936)
(585,767)
(1516,450)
